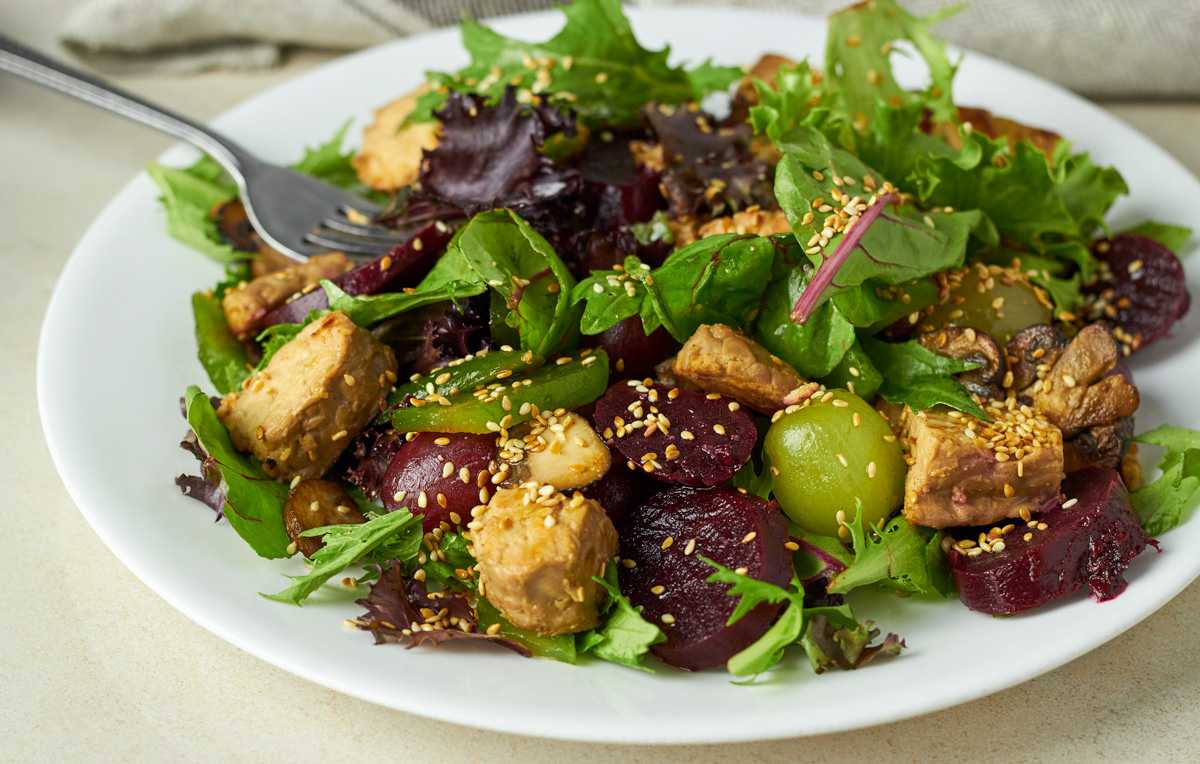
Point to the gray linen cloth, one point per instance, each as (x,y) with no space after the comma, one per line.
(1102,48)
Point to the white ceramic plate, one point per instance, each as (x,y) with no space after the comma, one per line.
(117,352)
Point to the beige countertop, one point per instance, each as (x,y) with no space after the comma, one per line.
(97,667)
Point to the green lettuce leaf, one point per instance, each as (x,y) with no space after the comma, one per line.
(920,378)
(393,535)
(624,636)
(755,480)
(329,163)
(768,649)
(254,500)
(858,52)
(222,355)
(1173,237)
(594,64)
(1050,209)
(1160,505)
(188,196)
(796,98)
(899,556)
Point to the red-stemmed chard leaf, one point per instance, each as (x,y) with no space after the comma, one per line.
(825,274)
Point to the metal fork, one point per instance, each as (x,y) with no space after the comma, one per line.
(295,214)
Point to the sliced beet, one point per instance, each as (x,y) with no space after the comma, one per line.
(707,437)
(664,539)
(403,261)
(632,354)
(1090,542)
(621,491)
(429,470)
(1142,292)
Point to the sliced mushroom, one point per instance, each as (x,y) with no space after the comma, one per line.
(1102,445)
(1040,345)
(1075,393)
(967,344)
(316,504)
(562,451)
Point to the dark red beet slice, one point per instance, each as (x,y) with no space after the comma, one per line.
(632,353)
(1144,293)
(371,277)
(621,491)
(1090,542)
(705,441)
(429,470)
(714,523)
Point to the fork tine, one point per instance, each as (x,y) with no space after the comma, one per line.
(369,232)
(350,246)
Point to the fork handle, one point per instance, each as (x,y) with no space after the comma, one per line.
(27,63)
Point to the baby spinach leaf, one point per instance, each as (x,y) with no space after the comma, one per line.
(717,279)
(369,310)
(253,500)
(517,262)
(890,242)
(922,379)
(560,648)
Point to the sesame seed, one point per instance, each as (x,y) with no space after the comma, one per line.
(628,563)
(1070,503)
(668,618)
(349,380)
(718,429)
(871,469)
(691,547)
(749,537)
(657,589)
(842,459)
(667,542)
(339,435)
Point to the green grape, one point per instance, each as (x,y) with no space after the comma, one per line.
(830,455)
(1007,304)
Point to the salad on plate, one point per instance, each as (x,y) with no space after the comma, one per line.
(673,358)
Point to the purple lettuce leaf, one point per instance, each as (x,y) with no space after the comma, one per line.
(367,458)
(707,169)
(846,647)
(206,487)
(394,607)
